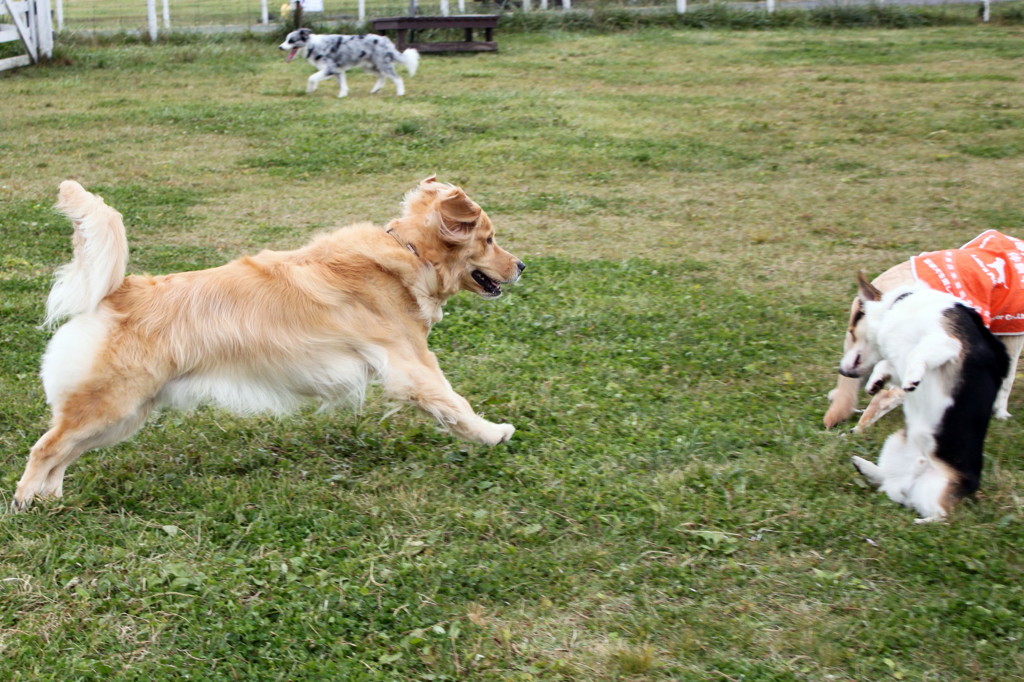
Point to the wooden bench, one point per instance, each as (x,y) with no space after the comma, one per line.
(406,28)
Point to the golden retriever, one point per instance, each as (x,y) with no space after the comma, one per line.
(263,332)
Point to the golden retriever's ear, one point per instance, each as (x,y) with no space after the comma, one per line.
(459,215)
(428,187)
(420,198)
(867,291)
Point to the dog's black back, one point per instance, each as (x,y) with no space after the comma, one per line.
(961,435)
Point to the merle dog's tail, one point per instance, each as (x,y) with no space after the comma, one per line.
(100,254)
(411,59)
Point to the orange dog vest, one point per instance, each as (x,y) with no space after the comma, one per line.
(987,273)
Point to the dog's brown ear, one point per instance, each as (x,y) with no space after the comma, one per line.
(867,290)
(459,215)
(427,188)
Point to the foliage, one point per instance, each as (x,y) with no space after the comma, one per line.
(725,16)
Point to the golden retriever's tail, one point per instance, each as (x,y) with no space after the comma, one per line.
(101,254)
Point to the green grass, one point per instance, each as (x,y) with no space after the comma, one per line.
(692,205)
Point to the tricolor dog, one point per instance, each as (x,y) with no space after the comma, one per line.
(950,368)
(987,273)
(333,55)
(263,333)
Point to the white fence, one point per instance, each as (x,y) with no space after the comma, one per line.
(30,24)
(165,15)
(131,15)
(154,16)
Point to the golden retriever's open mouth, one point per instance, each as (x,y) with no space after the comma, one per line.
(489,286)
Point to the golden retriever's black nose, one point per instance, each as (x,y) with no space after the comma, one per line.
(521,265)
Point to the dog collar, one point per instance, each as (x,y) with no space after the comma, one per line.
(405,244)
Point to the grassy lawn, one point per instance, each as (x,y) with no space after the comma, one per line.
(693,207)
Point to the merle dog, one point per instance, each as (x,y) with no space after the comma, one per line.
(333,55)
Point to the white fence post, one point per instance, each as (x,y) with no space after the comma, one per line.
(462,6)
(526,6)
(44,29)
(681,6)
(264,14)
(770,6)
(986,10)
(444,8)
(362,11)
(59,11)
(167,15)
(566,4)
(151,18)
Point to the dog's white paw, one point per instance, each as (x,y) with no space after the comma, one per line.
(1001,413)
(879,377)
(858,462)
(494,434)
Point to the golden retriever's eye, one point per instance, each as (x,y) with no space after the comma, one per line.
(490,240)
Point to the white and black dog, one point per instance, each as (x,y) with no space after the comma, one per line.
(938,350)
(987,273)
(333,55)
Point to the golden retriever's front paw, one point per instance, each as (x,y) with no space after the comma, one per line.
(493,434)
(21,503)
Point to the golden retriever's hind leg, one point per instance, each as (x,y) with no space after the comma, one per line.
(423,384)
(53,446)
(65,442)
